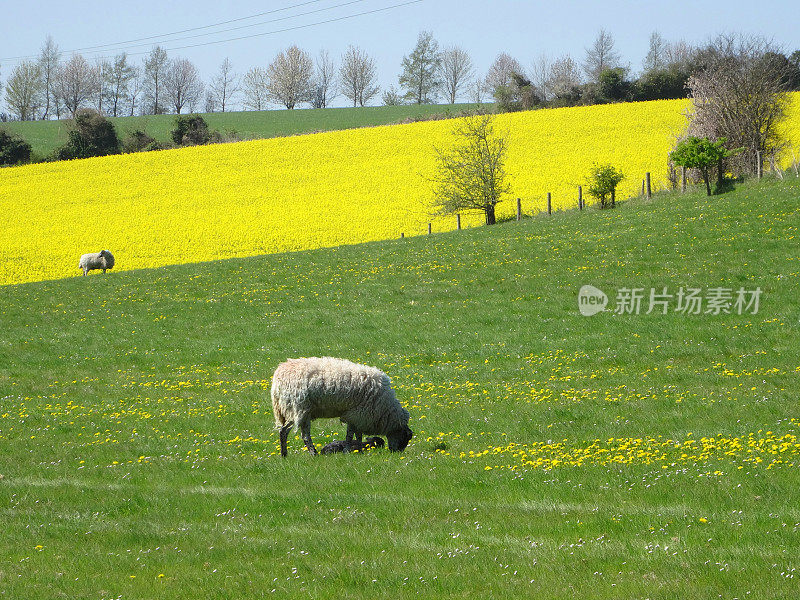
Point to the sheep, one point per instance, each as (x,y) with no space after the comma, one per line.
(96,260)
(345,446)
(304,389)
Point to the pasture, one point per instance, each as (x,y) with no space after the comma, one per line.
(555,455)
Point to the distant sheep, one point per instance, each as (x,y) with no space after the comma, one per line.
(96,260)
(304,389)
(353,446)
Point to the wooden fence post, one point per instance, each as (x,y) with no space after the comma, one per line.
(549,204)
(519,209)
(402,235)
(649,189)
(613,197)
(458,221)
(580,197)
(429,228)
(683,179)
(642,194)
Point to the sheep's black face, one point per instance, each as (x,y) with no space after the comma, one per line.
(398,440)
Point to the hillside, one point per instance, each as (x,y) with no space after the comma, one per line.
(555,455)
(46,136)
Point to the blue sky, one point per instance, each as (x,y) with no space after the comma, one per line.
(523,29)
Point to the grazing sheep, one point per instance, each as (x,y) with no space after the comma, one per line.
(96,260)
(304,389)
(353,446)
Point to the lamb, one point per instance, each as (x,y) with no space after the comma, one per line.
(96,260)
(304,389)
(344,446)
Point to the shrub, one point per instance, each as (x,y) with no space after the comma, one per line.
(138,141)
(13,150)
(603,181)
(91,135)
(190,130)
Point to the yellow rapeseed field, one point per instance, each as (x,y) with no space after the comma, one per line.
(284,194)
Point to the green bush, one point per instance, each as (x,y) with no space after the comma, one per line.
(701,154)
(138,141)
(190,130)
(91,135)
(603,181)
(13,150)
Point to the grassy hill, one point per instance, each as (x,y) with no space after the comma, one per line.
(555,455)
(46,136)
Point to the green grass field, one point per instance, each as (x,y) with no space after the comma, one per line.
(555,455)
(46,136)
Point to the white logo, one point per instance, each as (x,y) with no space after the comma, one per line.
(591,300)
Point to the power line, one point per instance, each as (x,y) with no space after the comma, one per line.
(121,45)
(296,27)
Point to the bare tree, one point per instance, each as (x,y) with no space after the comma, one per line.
(358,76)
(740,95)
(600,56)
(25,90)
(134,89)
(225,85)
(182,84)
(255,90)
(478,90)
(565,76)
(324,83)
(420,76)
(455,71)
(155,71)
(290,76)
(501,73)
(655,59)
(540,74)
(470,176)
(118,82)
(391,97)
(102,69)
(49,57)
(76,83)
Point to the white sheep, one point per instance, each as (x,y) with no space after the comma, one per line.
(96,260)
(304,389)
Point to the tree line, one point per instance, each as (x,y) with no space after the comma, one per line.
(54,87)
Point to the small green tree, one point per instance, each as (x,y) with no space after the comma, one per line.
(701,154)
(603,182)
(13,150)
(470,176)
(91,135)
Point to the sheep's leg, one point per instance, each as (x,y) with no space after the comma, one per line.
(284,437)
(305,433)
(352,432)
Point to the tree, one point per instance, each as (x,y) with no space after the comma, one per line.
(565,77)
(701,154)
(614,87)
(255,90)
(49,59)
(134,90)
(76,83)
(25,90)
(655,59)
(182,84)
(455,72)
(603,182)
(119,79)
(225,85)
(501,73)
(290,76)
(391,97)
(420,76)
(91,135)
(324,87)
(13,150)
(520,94)
(155,72)
(741,96)
(600,56)
(102,69)
(358,76)
(470,176)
